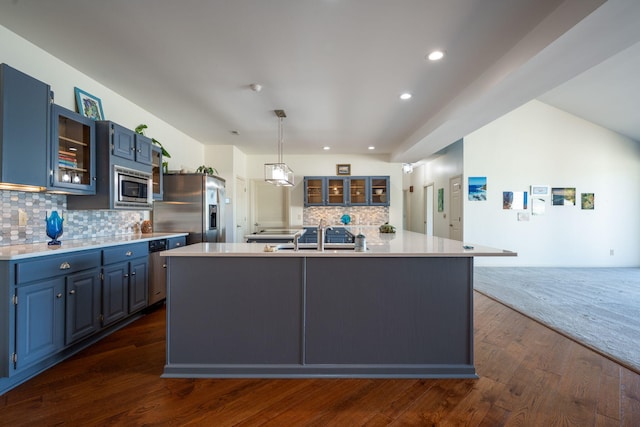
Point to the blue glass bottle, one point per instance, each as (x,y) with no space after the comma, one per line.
(54,227)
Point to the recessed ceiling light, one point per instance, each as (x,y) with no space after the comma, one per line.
(435,55)
(371,147)
(326,148)
(405,96)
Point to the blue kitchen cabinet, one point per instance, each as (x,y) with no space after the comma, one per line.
(379,191)
(315,189)
(126,280)
(338,235)
(56,302)
(24,128)
(128,144)
(336,191)
(40,312)
(82,305)
(73,158)
(310,235)
(176,242)
(156,171)
(346,191)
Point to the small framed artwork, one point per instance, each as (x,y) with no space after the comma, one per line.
(587,201)
(89,105)
(343,169)
(539,190)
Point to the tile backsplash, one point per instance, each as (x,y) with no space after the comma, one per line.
(77,224)
(360,215)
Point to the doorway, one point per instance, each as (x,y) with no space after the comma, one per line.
(241,210)
(455,213)
(269,206)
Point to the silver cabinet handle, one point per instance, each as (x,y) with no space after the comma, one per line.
(65,266)
(128,253)
(164,265)
(178,244)
(126,275)
(59,296)
(133,274)
(72,291)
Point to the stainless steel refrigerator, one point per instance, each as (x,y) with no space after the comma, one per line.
(192,203)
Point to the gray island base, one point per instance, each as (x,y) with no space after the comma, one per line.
(320,316)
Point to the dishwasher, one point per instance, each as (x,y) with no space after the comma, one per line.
(157,271)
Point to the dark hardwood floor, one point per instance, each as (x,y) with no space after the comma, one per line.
(529,376)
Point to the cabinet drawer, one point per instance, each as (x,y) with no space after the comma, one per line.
(51,266)
(124,252)
(177,242)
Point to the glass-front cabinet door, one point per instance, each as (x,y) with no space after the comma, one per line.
(72,152)
(379,190)
(337,191)
(314,189)
(358,190)
(156,171)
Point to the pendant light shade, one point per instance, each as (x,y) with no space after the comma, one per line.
(279,173)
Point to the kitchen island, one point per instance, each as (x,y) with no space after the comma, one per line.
(402,309)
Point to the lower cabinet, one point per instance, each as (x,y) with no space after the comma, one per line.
(125,281)
(83,305)
(39,321)
(50,305)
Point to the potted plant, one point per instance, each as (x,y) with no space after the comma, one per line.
(208,170)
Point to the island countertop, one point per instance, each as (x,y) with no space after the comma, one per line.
(399,244)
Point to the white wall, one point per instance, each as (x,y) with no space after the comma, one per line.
(539,144)
(30,59)
(325,165)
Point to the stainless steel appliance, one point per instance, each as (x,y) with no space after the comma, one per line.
(192,203)
(157,271)
(131,188)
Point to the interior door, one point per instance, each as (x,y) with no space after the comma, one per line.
(455,215)
(269,206)
(241,210)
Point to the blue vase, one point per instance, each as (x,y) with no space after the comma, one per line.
(54,227)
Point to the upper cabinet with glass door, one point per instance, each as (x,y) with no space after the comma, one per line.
(379,191)
(73,166)
(358,191)
(314,190)
(337,191)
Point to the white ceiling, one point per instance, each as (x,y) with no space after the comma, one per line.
(337,67)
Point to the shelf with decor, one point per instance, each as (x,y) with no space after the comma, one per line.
(73,154)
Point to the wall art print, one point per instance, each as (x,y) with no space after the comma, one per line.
(538,205)
(440,199)
(514,200)
(563,196)
(89,105)
(587,201)
(477,188)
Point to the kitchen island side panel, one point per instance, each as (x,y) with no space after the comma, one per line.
(407,311)
(234,311)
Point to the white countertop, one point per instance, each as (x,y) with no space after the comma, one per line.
(13,252)
(399,244)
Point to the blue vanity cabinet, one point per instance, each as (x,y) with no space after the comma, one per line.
(25,110)
(73,158)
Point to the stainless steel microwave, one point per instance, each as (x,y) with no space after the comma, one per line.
(132,189)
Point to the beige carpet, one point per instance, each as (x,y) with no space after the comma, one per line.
(598,307)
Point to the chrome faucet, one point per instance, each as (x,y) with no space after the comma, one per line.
(296,240)
(321,233)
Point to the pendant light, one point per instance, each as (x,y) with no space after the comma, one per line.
(279,173)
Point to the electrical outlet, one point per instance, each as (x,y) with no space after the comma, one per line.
(22,218)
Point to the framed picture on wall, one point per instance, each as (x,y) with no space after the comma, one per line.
(343,169)
(539,190)
(89,105)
